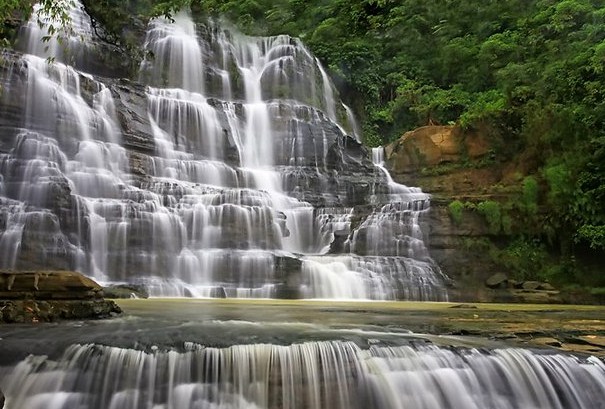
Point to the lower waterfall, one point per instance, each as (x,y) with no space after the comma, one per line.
(312,375)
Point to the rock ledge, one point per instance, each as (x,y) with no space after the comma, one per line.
(37,296)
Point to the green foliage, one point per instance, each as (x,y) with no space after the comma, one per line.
(485,106)
(114,20)
(11,11)
(492,212)
(507,222)
(478,244)
(455,209)
(598,291)
(594,235)
(529,196)
(526,259)
(558,177)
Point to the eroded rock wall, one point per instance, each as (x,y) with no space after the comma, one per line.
(456,165)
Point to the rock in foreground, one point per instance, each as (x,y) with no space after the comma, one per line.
(37,296)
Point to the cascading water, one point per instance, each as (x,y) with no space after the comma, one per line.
(309,375)
(250,187)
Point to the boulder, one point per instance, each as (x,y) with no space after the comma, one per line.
(125,291)
(531,285)
(498,280)
(546,287)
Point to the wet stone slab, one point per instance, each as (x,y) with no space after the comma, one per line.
(171,323)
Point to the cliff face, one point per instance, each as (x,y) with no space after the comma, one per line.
(467,186)
(432,158)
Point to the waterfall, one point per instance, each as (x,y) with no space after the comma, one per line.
(243,183)
(328,374)
(228,168)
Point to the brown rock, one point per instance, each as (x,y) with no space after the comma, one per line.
(37,296)
(596,340)
(47,285)
(537,297)
(432,145)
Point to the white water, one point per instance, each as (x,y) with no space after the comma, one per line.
(241,183)
(311,375)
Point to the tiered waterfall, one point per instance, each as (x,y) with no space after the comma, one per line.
(227,167)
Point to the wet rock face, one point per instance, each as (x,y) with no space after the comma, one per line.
(131,109)
(327,169)
(452,164)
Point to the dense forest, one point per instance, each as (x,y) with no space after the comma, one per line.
(530,71)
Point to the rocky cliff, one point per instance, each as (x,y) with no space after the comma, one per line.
(474,215)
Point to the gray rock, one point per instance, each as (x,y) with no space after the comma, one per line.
(125,291)
(531,285)
(546,287)
(497,280)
